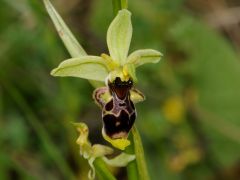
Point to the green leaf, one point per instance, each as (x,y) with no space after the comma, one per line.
(143,56)
(87,67)
(70,42)
(119,36)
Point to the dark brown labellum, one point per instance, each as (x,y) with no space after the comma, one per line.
(118,113)
(119,119)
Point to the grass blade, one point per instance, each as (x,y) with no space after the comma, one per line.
(70,42)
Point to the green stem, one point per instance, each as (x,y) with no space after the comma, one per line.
(119,4)
(103,172)
(124,4)
(132,170)
(139,152)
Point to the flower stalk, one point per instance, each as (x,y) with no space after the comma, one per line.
(102,171)
(118,5)
(140,158)
(132,170)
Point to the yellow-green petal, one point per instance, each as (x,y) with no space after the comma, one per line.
(87,67)
(119,36)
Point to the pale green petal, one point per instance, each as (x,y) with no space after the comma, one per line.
(70,42)
(87,67)
(119,36)
(143,56)
(121,160)
(136,95)
(130,70)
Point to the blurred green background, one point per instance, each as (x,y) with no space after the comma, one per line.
(190,121)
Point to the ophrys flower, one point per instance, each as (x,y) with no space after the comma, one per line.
(117,70)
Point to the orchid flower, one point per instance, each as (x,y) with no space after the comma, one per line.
(117,70)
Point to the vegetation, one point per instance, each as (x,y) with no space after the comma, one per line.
(189,123)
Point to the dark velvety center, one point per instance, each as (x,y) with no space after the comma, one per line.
(121,92)
(116,124)
(109,106)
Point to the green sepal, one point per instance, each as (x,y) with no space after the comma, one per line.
(119,36)
(87,67)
